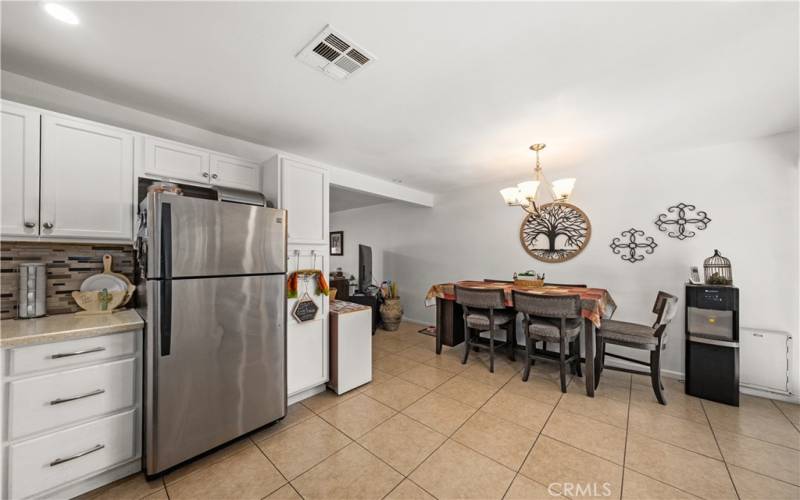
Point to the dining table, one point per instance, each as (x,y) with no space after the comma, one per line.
(596,305)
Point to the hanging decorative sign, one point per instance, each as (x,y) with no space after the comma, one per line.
(681,226)
(305,309)
(632,246)
(556,233)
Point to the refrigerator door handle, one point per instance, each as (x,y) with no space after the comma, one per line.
(165,315)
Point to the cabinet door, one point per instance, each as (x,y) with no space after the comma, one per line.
(304,190)
(19,175)
(236,173)
(87,180)
(175,161)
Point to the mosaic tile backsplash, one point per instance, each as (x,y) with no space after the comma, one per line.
(68,265)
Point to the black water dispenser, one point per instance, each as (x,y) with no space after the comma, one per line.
(712,343)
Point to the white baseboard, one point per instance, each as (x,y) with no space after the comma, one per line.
(295,398)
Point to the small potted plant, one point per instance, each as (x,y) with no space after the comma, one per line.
(391,309)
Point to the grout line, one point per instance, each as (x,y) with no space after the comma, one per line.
(530,450)
(727,468)
(747,436)
(627,433)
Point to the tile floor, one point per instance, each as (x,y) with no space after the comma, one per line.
(430,427)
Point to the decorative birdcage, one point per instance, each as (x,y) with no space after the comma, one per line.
(718,270)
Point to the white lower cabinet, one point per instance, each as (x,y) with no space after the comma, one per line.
(72,421)
(44,463)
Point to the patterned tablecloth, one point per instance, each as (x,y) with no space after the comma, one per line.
(596,303)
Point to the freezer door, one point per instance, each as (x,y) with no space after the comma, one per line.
(196,237)
(223,370)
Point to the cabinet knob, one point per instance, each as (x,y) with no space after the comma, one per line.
(205,174)
(214,176)
(47,225)
(30,225)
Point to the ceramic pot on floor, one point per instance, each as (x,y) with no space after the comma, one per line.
(391,313)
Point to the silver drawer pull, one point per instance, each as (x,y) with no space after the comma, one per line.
(58,461)
(77,353)
(67,400)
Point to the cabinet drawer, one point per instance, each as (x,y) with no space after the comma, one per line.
(70,353)
(49,401)
(43,463)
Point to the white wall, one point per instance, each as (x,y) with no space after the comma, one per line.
(749,189)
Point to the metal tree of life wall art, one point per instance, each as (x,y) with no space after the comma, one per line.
(559,232)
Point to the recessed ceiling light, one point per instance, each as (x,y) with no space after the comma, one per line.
(61,13)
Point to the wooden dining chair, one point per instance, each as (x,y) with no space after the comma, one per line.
(651,338)
(551,318)
(485,310)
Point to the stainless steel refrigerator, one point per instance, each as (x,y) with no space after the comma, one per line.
(215,304)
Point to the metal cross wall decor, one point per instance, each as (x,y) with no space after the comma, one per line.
(633,245)
(683,219)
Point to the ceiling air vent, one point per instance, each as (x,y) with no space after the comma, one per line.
(334,54)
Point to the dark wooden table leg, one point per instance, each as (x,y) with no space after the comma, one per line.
(588,333)
(439,325)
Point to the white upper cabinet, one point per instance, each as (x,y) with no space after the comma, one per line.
(19,175)
(304,194)
(174,160)
(86,180)
(233,172)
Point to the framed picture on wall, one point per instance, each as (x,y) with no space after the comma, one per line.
(337,242)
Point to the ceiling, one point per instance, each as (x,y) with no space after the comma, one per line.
(345,199)
(459,90)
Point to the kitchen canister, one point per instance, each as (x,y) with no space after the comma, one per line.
(32,290)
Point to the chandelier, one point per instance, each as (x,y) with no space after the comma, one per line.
(525,193)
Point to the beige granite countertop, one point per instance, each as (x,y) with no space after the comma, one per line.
(24,332)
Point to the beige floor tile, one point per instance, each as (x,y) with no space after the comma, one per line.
(791,410)
(324,400)
(379,376)
(351,473)
(378,353)
(396,393)
(670,384)
(524,489)
(678,431)
(499,439)
(759,456)
(402,442)
(638,487)
(537,387)
(757,418)
(294,415)
(427,342)
(132,487)
(447,362)
(683,469)
(678,404)
(480,373)
(466,391)
(610,391)
(752,486)
(407,490)
(296,450)
(247,474)
(386,343)
(587,434)
(426,376)
(287,492)
(357,416)
(523,411)
(563,468)
(206,460)
(614,377)
(158,495)
(440,413)
(418,354)
(394,364)
(455,471)
(604,409)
